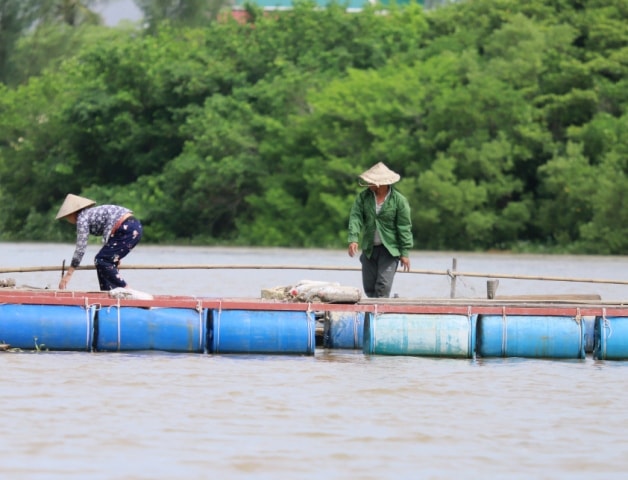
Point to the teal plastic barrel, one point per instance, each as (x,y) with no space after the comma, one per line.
(611,338)
(589,333)
(257,331)
(163,329)
(49,327)
(432,335)
(344,330)
(530,336)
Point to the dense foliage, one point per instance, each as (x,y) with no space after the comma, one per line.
(507,119)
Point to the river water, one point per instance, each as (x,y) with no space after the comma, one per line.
(334,415)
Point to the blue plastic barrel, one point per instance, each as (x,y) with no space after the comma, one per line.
(256,331)
(344,330)
(48,327)
(165,329)
(611,338)
(530,336)
(589,333)
(430,335)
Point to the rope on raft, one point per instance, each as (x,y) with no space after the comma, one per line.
(450,273)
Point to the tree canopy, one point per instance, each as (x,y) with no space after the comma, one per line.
(506,119)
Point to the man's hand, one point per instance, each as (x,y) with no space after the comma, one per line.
(405,262)
(353,249)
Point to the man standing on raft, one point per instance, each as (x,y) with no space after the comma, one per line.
(382,216)
(120,231)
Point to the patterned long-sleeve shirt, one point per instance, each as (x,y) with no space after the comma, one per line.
(97,221)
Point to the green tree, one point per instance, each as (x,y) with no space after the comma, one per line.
(50,45)
(605,144)
(34,157)
(16,16)
(190,13)
(35,34)
(70,12)
(565,190)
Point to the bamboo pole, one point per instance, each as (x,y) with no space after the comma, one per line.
(450,273)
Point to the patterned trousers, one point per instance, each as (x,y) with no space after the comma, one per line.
(107,260)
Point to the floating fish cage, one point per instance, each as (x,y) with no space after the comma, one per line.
(295,329)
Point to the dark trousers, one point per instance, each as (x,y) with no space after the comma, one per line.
(119,245)
(378,272)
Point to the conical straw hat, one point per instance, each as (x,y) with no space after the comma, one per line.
(73,203)
(380,174)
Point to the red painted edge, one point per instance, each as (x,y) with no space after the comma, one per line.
(53,297)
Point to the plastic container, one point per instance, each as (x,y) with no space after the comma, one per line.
(611,338)
(437,335)
(344,330)
(47,327)
(256,331)
(530,336)
(589,333)
(165,329)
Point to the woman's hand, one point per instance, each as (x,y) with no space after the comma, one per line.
(66,278)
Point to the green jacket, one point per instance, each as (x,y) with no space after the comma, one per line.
(393,223)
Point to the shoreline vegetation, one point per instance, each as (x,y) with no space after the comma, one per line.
(507,120)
